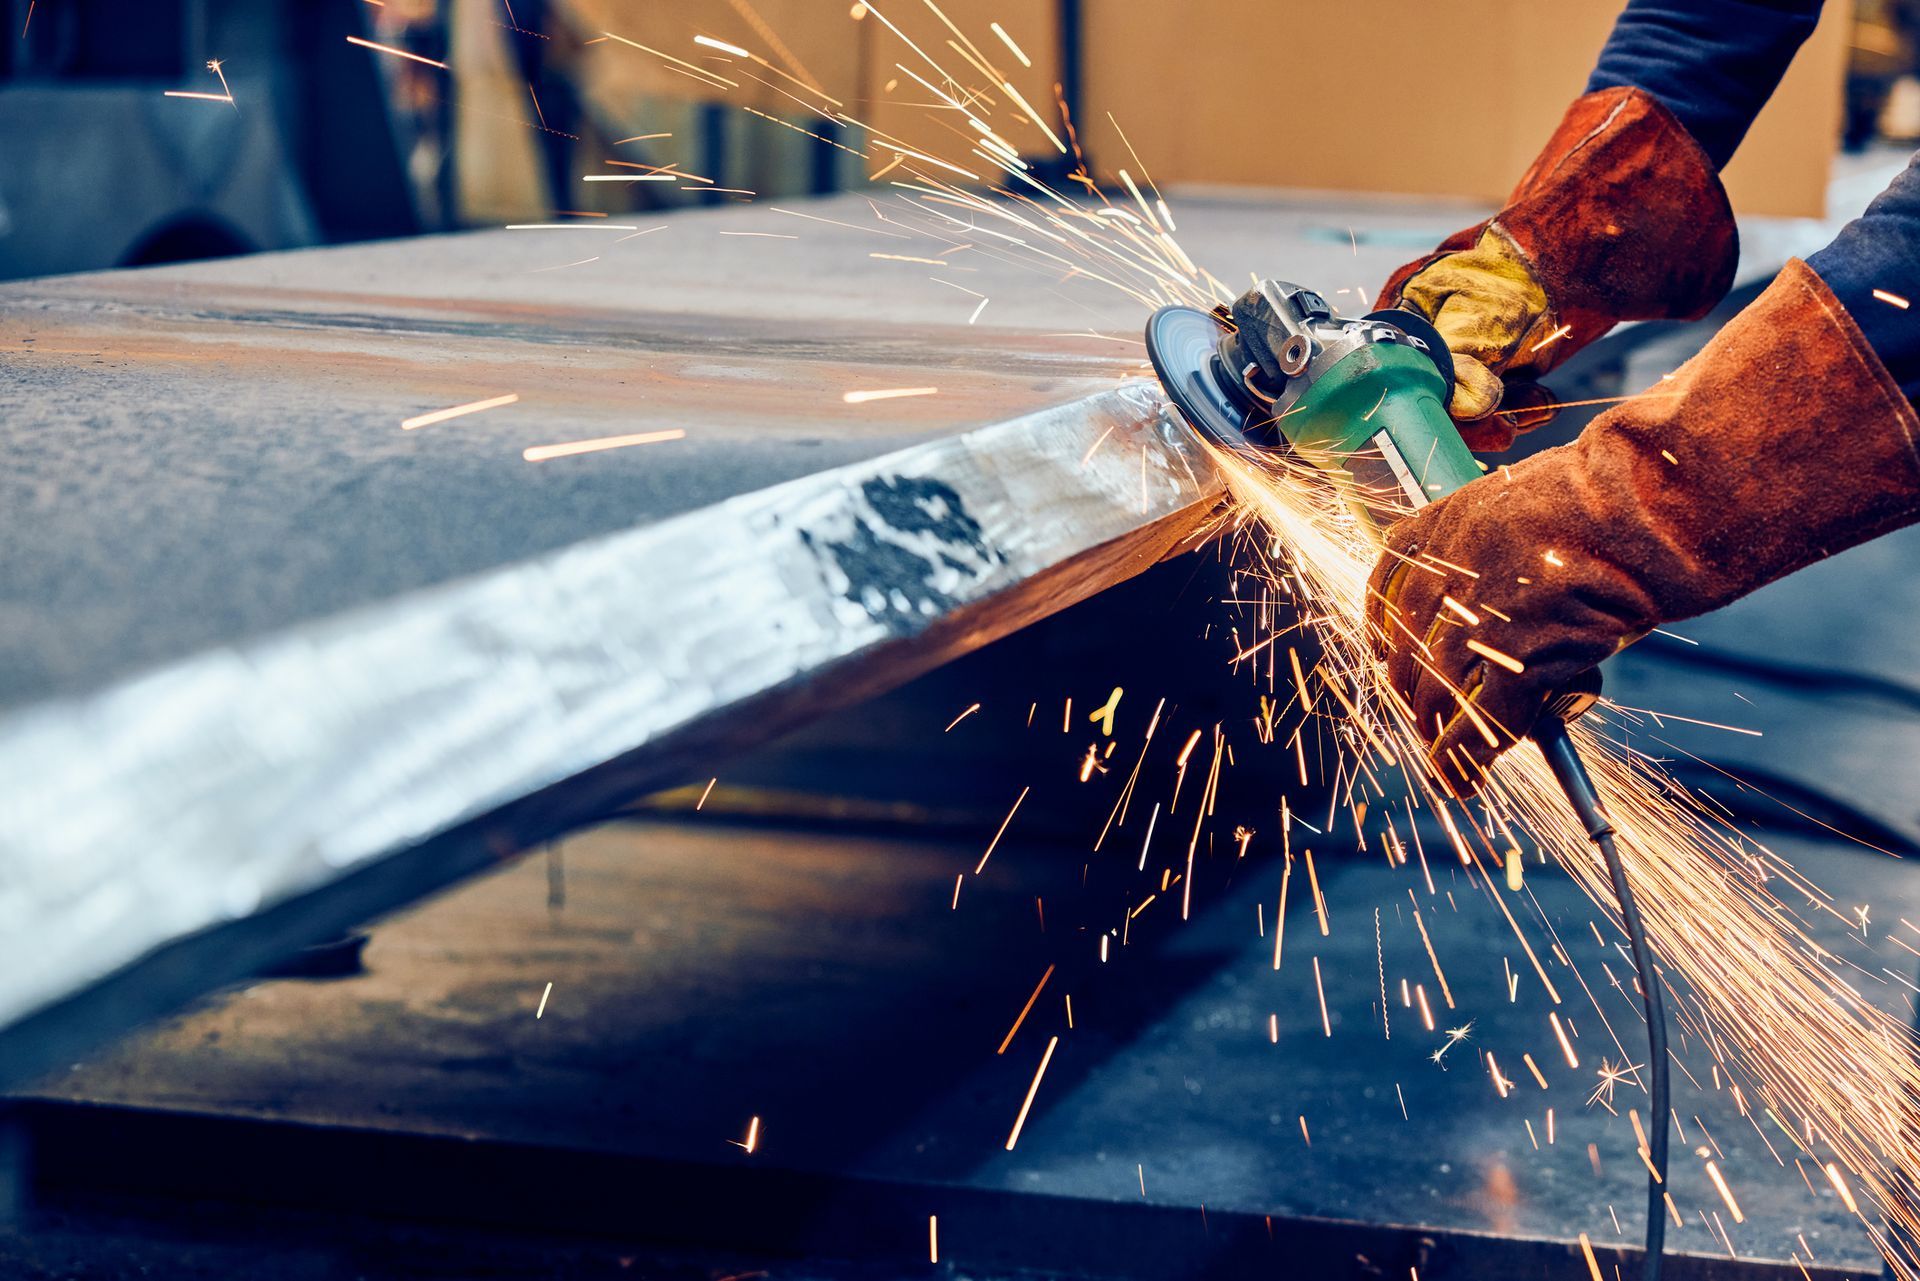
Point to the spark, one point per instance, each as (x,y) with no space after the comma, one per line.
(1007,40)
(1593,1264)
(458,411)
(1566,1046)
(961,717)
(1326,1023)
(1598,400)
(699,804)
(752,1140)
(1892,298)
(1103,715)
(543,1001)
(1555,336)
(1032,1090)
(1840,1186)
(1507,661)
(1024,1011)
(1726,1193)
(571,226)
(933,1238)
(929,262)
(722,46)
(1455,1035)
(541,453)
(1610,1076)
(1003,830)
(891,393)
(398,53)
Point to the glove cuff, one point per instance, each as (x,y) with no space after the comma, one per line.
(1783,442)
(1622,217)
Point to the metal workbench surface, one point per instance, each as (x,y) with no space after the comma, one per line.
(270,663)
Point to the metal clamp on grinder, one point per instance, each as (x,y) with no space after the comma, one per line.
(1365,400)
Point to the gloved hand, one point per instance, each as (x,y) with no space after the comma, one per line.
(1621,218)
(1784,441)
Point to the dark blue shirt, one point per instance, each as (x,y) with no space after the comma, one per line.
(1714,64)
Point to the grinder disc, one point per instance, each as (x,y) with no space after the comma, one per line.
(1184,345)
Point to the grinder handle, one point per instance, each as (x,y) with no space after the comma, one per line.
(1414,416)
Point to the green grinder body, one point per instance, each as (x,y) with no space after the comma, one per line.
(1378,419)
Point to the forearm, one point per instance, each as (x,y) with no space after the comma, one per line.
(1712,63)
(1873,267)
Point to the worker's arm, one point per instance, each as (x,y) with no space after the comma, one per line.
(1786,440)
(1622,217)
(1712,63)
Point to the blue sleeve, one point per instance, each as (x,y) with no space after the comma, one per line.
(1873,266)
(1712,63)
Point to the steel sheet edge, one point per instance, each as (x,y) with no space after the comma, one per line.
(213,789)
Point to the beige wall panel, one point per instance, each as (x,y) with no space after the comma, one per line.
(809,39)
(1448,98)
(914,115)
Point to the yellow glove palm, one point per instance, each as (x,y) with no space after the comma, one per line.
(1494,316)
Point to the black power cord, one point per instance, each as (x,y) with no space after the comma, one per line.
(1571,772)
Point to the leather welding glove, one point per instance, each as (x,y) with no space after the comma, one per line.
(1784,441)
(1621,218)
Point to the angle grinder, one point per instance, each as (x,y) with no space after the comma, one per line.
(1365,401)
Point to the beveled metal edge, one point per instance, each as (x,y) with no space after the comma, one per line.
(230,784)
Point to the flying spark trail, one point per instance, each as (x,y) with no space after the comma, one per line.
(1026,1105)
(1024,1011)
(458,411)
(1004,824)
(541,453)
(752,1140)
(1007,40)
(398,53)
(894,393)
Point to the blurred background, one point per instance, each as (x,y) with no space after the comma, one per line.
(325,142)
